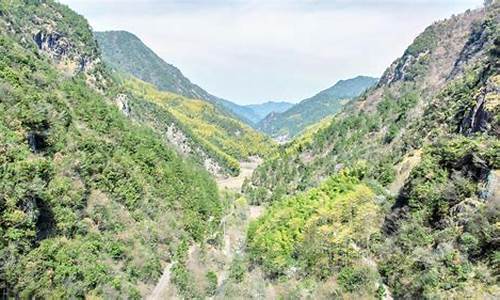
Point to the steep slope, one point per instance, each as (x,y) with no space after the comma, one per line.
(309,234)
(309,111)
(263,109)
(91,204)
(196,128)
(127,53)
(376,126)
(429,130)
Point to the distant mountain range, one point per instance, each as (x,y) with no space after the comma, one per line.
(126,52)
(309,111)
(260,111)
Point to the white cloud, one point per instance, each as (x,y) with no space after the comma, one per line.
(254,51)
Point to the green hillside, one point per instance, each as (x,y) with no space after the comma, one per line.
(109,183)
(91,204)
(426,142)
(196,127)
(289,123)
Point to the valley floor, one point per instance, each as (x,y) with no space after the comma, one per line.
(233,237)
(246,170)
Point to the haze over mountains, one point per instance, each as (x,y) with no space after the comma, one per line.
(124,51)
(121,179)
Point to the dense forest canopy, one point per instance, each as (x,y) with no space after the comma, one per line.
(119,182)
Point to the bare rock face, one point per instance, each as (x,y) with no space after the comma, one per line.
(52,43)
(183,144)
(176,137)
(63,52)
(481,117)
(472,49)
(490,189)
(62,39)
(36,141)
(121,101)
(392,220)
(400,70)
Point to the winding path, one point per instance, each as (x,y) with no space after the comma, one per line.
(162,284)
(163,287)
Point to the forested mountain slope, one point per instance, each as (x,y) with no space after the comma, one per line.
(127,53)
(289,123)
(196,128)
(396,196)
(375,128)
(91,204)
(426,142)
(189,118)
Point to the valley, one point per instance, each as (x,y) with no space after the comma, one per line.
(122,179)
(234,227)
(236,183)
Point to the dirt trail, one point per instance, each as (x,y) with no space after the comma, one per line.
(164,288)
(162,284)
(234,238)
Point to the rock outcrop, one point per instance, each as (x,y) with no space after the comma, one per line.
(185,146)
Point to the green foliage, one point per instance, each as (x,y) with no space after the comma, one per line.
(237,270)
(90,202)
(181,276)
(445,214)
(223,138)
(72,25)
(318,231)
(439,238)
(354,278)
(125,52)
(426,41)
(212,283)
(344,142)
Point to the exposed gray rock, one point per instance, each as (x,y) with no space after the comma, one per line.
(183,144)
(481,117)
(176,137)
(391,222)
(473,47)
(491,187)
(52,43)
(36,141)
(121,101)
(399,69)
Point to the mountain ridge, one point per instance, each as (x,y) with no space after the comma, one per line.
(125,51)
(425,139)
(92,203)
(289,123)
(261,110)
(103,191)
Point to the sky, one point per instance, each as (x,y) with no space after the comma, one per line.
(260,50)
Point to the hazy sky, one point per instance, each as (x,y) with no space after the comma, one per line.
(259,50)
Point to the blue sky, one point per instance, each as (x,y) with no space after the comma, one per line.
(256,50)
